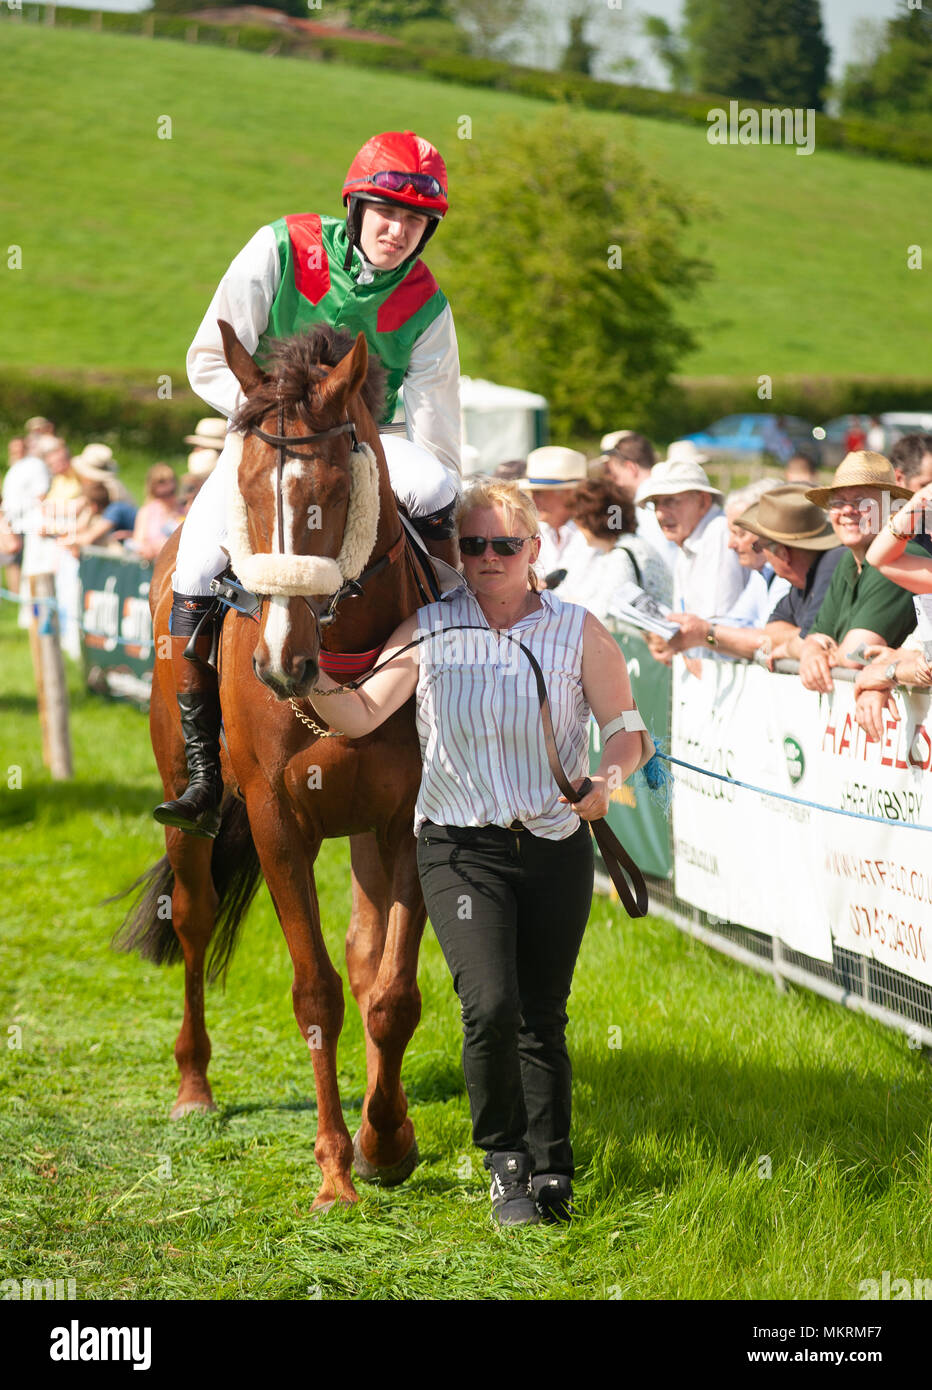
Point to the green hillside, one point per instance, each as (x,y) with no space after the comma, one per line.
(124,235)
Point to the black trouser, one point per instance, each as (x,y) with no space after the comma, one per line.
(509,909)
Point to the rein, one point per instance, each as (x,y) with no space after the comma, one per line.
(618,861)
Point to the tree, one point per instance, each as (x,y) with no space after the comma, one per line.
(578,54)
(758,50)
(562,256)
(892,80)
(391,14)
(669,49)
(488,25)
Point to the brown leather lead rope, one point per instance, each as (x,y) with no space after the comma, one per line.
(616,858)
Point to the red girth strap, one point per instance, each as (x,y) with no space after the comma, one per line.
(337,664)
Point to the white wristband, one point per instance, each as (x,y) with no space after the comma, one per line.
(630,720)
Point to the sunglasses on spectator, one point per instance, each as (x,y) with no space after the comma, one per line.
(395,180)
(502,545)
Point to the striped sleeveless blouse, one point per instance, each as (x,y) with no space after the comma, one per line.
(478,716)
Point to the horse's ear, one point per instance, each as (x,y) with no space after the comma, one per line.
(239,361)
(346,378)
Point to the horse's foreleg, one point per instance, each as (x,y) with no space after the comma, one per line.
(317,990)
(193,908)
(385,1149)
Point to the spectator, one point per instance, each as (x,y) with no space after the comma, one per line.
(861,606)
(208,440)
(553,474)
(800,468)
(615,554)
(911,457)
(190,487)
(96,464)
(803,549)
(27,480)
(629,463)
(160,514)
(855,439)
(92,526)
(62,502)
(707,576)
(876,440)
(511,470)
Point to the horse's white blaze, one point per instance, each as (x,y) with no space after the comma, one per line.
(276,633)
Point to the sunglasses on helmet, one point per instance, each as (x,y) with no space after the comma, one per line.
(502,545)
(396,179)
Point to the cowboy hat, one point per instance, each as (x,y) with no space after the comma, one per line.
(553,466)
(672,477)
(208,434)
(784,515)
(863,468)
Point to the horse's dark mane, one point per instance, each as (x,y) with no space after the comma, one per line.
(295,365)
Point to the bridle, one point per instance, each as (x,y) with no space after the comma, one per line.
(285,446)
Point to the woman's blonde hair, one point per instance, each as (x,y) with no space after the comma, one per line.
(495,493)
(158,473)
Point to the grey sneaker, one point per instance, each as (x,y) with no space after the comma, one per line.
(512,1202)
(553,1193)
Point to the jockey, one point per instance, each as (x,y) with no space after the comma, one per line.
(365,274)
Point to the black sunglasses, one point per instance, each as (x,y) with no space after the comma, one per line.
(502,545)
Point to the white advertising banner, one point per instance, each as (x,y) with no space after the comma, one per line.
(795,872)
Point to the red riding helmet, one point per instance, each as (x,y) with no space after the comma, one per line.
(396,167)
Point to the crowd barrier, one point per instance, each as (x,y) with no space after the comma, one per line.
(818,869)
(116,627)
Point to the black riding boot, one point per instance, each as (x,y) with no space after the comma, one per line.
(197,810)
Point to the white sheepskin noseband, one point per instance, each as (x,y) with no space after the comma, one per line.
(311,574)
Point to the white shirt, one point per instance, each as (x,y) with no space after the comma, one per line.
(27,480)
(758,599)
(596,575)
(478,716)
(559,548)
(244,299)
(708,578)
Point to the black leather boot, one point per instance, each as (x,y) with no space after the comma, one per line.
(197,810)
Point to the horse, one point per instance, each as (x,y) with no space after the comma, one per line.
(289,782)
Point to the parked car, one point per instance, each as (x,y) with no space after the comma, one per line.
(895,423)
(749,436)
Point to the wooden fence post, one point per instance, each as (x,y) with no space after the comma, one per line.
(51,685)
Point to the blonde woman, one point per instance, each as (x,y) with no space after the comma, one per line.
(504,860)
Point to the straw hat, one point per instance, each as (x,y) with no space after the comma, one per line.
(202,462)
(784,515)
(209,434)
(95,464)
(672,477)
(608,441)
(863,468)
(37,424)
(685,451)
(553,466)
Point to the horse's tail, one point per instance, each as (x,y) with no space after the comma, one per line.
(234,867)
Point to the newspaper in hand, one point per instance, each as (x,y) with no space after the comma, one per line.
(630,604)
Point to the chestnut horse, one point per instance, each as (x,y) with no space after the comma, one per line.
(300,788)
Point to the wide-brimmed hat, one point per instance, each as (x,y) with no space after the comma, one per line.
(95,463)
(608,441)
(209,434)
(785,515)
(202,462)
(671,477)
(863,468)
(685,451)
(553,466)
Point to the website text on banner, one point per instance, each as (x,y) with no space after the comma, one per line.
(802,874)
(116,626)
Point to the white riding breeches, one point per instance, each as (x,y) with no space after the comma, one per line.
(419,481)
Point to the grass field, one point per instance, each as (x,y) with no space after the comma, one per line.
(124,235)
(718,1081)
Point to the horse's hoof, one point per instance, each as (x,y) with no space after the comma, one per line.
(321,1208)
(191,1107)
(385,1177)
